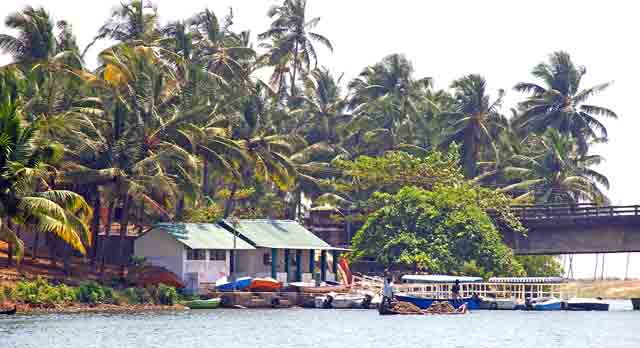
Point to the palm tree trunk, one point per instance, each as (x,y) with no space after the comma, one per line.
(180,208)
(228,207)
(107,233)
(205,178)
(66,259)
(295,68)
(95,228)
(124,223)
(53,250)
(9,245)
(36,241)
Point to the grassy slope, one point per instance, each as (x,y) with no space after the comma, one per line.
(611,289)
(42,267)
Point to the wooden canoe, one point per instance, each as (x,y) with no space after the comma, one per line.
(264,285)
(203,304)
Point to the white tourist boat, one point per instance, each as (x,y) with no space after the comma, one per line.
(340,301)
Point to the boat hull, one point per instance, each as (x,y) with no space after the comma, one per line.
(587,306)
(265,285)
(237,285)
(550,305)
(499,304)
(203,304)
(424,303)
(340,302)
(310,288)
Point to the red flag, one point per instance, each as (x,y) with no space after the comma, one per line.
(345,272)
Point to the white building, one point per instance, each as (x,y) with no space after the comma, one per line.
(196,253)
(203,253)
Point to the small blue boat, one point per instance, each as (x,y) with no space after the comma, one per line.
(552,304)
(424,302)
(237,285)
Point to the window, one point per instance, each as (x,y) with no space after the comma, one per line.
(217,255)
(196,254)
(266,259)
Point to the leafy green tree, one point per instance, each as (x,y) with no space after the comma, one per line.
(436,231)
(541,265)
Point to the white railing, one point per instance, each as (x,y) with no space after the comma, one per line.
(497,290)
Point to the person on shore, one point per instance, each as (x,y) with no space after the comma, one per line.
(455,290)
(387,292)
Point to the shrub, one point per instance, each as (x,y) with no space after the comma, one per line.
(41,293)
(93,293)
(165,295)
(137,296)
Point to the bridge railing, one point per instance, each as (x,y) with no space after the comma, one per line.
(559,211)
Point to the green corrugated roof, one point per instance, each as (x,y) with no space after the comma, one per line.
(279,234)
(202,236)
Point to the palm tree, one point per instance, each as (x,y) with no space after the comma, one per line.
(35,41)
(472,120)
(558,172)
(560,103)
(132,22)
(292,39)
(25,197)
(387,103)
(323,106)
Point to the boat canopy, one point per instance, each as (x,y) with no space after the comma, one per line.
(422,278)
(526,280)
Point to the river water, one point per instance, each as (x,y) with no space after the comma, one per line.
(317,328)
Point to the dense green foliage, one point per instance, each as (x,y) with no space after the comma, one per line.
(40,293)
(436,231)
(175,124)
(541,265)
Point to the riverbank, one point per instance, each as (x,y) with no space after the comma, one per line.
(94,309)
(609,289)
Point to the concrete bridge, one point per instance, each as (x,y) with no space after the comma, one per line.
(576,229)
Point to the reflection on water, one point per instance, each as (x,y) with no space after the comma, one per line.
(325,328)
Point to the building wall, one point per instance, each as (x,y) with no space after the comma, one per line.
(251,263)
(160,249)
(208,271)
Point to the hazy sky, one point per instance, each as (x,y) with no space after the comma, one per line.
(501,40)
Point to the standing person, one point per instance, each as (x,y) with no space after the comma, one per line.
(455,290)
(387,291)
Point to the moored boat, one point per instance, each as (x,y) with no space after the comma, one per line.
(264,285)
(311,288)
(239,284)
(587,304)
(10,311)
(342,301)
(497,303)
(203,304)
(425,302)
(552,304)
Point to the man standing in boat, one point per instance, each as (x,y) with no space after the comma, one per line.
(387,292)
(455,290)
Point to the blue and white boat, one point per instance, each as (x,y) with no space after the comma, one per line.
(422,290)
(224,285)
(552,304)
